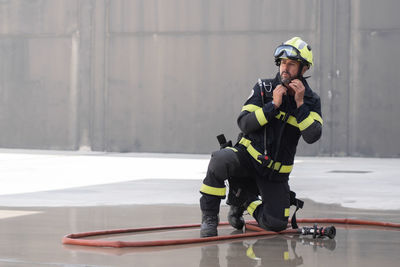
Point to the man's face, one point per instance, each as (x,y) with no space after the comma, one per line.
(288,69)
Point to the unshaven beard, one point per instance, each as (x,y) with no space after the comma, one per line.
(286,81)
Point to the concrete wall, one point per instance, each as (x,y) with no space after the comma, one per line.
(170,75)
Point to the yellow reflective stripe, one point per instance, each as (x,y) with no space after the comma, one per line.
(253,205)
(292,120)
(244,141)
(287,212)
(250,253)
(280,114)
(215,191)
(286,169)
(232,148)
(262,120)
(314,116)
(283,169)
(250,108)
(306,123)
(286,255)
(254,153)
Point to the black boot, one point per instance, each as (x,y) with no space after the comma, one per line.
(235,217)
(236,199)
(209,225)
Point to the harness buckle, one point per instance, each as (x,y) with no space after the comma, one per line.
(265,160)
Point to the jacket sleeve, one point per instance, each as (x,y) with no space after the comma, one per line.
(254,115)
(310,121)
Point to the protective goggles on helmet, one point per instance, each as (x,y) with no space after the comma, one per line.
(288,51)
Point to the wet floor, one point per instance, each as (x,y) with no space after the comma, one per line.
(46,195)
(32,237)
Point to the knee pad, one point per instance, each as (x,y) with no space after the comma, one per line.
(273,224)
(219,163)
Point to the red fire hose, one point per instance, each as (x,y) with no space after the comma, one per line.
(75,239)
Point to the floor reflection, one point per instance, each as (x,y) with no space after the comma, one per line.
(271,251)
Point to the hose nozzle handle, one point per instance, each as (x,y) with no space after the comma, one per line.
(329,231)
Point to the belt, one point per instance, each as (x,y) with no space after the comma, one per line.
(254,153)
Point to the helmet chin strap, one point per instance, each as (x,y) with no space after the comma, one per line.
(299,75)
(301,66)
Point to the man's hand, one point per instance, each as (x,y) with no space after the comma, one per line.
(278,93)
(299,89)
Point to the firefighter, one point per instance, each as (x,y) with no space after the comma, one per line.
(277,113)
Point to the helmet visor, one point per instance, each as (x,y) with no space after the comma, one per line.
(287,51)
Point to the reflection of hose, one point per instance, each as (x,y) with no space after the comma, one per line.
(75,239)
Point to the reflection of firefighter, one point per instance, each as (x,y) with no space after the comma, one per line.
(277,113)
(209,256)
(269,251)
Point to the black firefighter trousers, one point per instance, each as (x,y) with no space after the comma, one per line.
(271,213)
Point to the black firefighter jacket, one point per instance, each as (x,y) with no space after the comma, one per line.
(305,121)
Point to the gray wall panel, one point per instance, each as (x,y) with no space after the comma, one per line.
(375,96)
(35,93)
(42,17)
(182,16)
(169,75)
(376,14)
